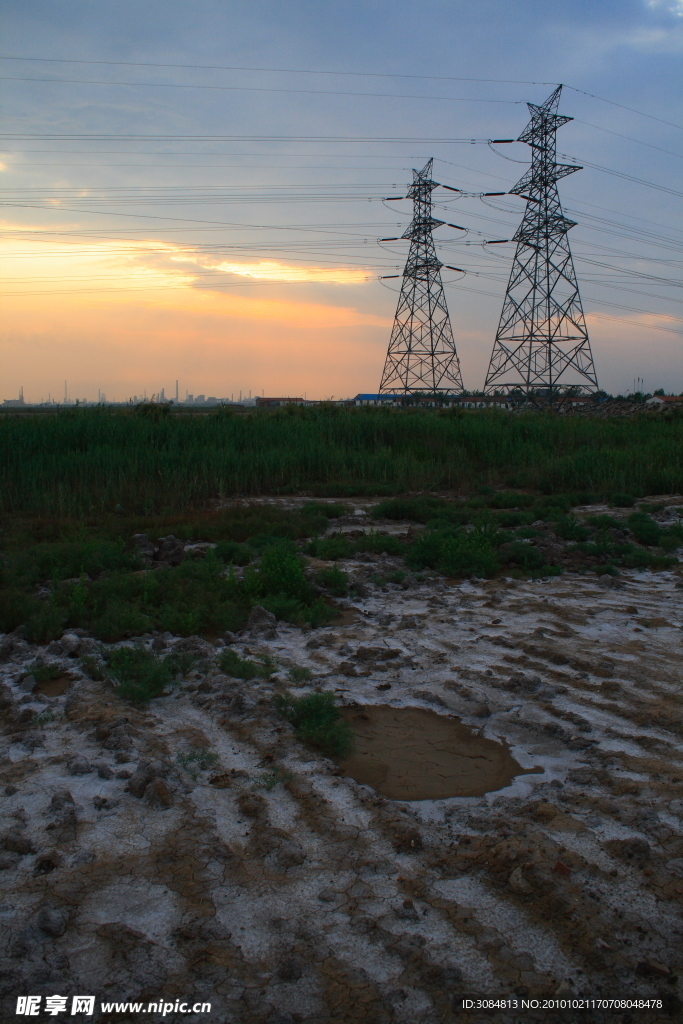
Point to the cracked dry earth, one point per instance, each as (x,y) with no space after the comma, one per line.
(279,889)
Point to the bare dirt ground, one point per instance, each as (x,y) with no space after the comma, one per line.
(279,889)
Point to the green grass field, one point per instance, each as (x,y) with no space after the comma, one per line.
(76,486)
(78,463)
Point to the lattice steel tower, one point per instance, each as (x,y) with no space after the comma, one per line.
(542,344)
(421,359)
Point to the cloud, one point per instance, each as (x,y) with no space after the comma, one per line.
(673,6)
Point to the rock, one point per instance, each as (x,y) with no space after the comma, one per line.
(61,801)
(171,550)
(141,543)
(158,794)
(10,790)
(407,841)
(104,771)
(560,868)
(518,883)
(143,775)
(633,851)
(260,619)
(652,969)
(347,668)
(52,922)
(16,843)
(103,803)
(545,811)
(159,644)
(229,637)
(117,738)
(124,774)
(27,684)
(192,645)
(8,860)
(55,647)
(377,653)
(221,781)
(383,686)
(79,766)
(71,645)
(47,862)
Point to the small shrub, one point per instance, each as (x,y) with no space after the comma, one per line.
(330,548)
(512,519)
(570,528)
(381,544)
(42,673)
(455,553)
(671,538)
(622,500)
(138,675)
(509,499)
(182,662)
(197,760)
(317,722)
(333,579)
(320,508)
(232,553)
(644,529)
(299,674)
(44,717)
(608,569)
(231,663)
(419,510)
(92,667)
(604,522)
(526,555)
(270,779)
(281,571)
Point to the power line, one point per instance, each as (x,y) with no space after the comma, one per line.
(352,74)
(281,71)
(252,88)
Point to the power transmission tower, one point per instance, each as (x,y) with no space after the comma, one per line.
(542,345)
(421,359)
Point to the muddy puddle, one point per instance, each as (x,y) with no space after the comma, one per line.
(416,754)
(53,687)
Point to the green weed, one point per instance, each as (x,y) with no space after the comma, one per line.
(138,675)
(270,779)
(644,529)
(317,722)
(333,579)
(42,673)
(300,674)
(455,553)
(92,667)
(231,663)
(328,509)
(197,760)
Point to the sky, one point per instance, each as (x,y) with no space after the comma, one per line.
(196,193)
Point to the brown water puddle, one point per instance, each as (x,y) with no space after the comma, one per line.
(415,754)
(53,687)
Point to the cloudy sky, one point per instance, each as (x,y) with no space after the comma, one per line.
(195,192)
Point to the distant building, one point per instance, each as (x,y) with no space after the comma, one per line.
(665,401)
(274,403)
(14,402)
